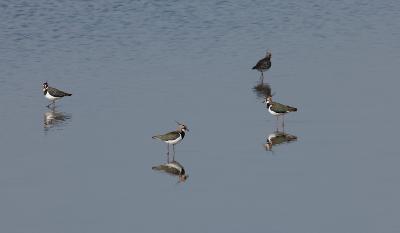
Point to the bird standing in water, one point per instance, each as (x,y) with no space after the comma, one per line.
(278,109)
(53,94)
(173,137)
(263,65)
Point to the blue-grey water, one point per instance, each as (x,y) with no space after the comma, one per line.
(134,67)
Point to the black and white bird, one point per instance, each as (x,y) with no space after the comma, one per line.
(53,94)
(263,64)
(278,109)
(173,168)
(173,137)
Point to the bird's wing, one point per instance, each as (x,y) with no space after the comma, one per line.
(168,136)
(281,108)
(57,93)
(264,63)
(278,108)
(259,63)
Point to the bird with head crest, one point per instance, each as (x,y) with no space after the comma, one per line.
(278,109)
(53,94)
(173,137)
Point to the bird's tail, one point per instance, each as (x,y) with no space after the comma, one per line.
(67,94)
(292,109)
(254,67)
(156,137)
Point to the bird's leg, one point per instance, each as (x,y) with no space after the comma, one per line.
(54,103)
(167,153)
(283,123)
(262,77)
(173,148)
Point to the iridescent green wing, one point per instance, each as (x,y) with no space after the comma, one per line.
(57,93)
(281,108)
(168,136)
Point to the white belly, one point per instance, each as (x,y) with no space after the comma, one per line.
(174,141)
(274,113)
(50,97)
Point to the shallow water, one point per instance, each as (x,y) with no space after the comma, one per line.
(134,68)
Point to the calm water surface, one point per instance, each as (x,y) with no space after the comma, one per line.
(135,67)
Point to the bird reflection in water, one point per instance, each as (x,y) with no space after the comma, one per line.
(262,90)
(173,168)
(278,137)
(54,119)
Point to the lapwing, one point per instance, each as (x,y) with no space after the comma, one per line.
(278,109)
(263,64)
(173,168)
(277,138)
(53,94)
(173,137)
